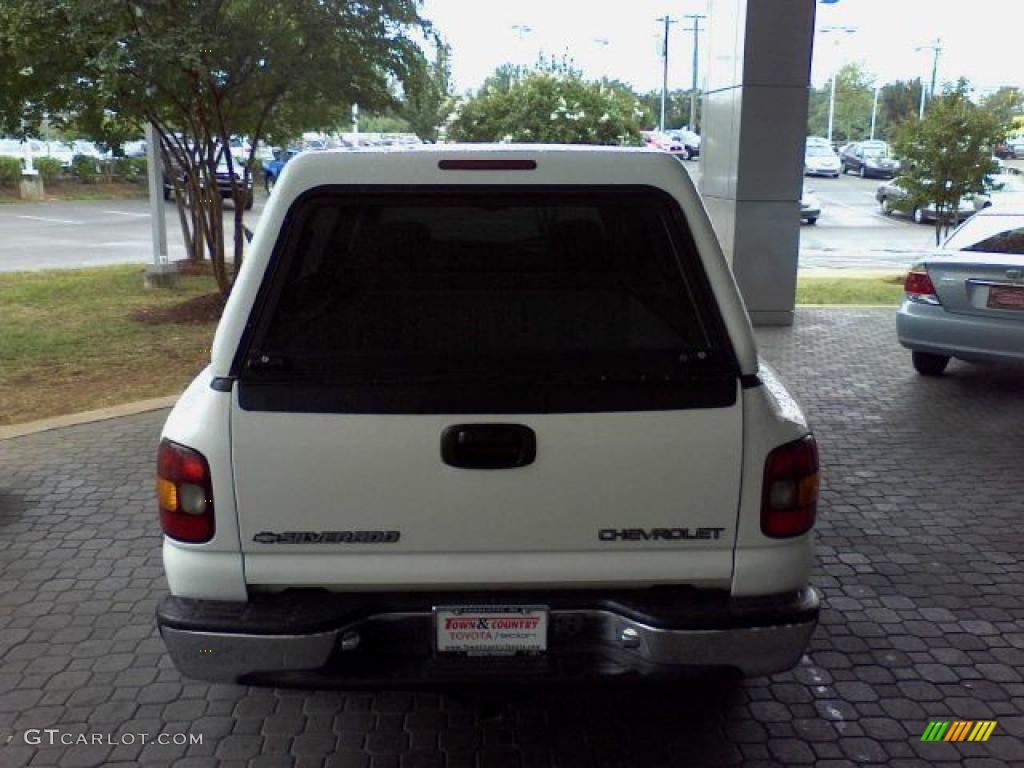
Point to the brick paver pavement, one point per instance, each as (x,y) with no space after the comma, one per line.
(920,561)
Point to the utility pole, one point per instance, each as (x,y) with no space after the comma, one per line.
(664,70)
(832,92)
(874,110)
(695,17)
(935,47)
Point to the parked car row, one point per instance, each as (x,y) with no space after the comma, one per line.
(1013,147)
(865,158)
(683,143)
(64,151)
(228,177)
(278,157)
(820,159)
(869,159)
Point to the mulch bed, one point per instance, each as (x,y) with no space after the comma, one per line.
(193,268)
(196,311)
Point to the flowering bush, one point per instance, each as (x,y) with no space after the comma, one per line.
(550,104)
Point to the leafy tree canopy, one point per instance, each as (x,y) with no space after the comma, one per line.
(202,71)
(550,103)
(1007,103)
(854,99)
(948,154)
(897,101)
(677,109)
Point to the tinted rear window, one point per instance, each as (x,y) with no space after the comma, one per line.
(989,234)
(488,283)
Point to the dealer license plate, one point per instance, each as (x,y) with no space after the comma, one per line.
(1006,297)
(491,630)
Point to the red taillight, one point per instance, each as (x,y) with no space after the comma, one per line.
(487,165)
(789,500)
(918,286)
(184,493)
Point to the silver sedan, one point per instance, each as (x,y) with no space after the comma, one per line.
(967,301)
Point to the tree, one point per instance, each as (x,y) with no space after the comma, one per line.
(897,101)
(103,125)
(203,71)
(548,104)
(429,100)
(854,98)
(386,123)
(948,154)
(1006,103)
(677,108)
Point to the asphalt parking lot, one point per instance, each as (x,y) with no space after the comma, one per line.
(852,233)
(920,549)
(88,233)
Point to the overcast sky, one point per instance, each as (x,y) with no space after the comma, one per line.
(981,38)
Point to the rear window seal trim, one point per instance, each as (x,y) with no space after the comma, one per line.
(688,258)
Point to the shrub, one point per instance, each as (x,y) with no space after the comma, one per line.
(128,168)
(84,169)
(50,168)
(10,171)
(141,168)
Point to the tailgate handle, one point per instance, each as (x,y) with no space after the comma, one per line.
(488,446)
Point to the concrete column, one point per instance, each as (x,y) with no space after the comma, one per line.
(754,129)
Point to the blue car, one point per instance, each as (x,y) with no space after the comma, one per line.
(272,168)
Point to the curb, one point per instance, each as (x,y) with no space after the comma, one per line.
(838,273)
(86,417)
(892,307)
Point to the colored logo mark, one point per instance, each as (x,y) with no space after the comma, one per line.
(958,730)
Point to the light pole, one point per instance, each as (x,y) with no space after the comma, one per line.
(835,71)
(161,272)
(935,47)
(664,70)
(521,47)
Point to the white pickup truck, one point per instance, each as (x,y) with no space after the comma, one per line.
(485,411)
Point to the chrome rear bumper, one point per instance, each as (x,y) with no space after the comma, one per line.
(603,642)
